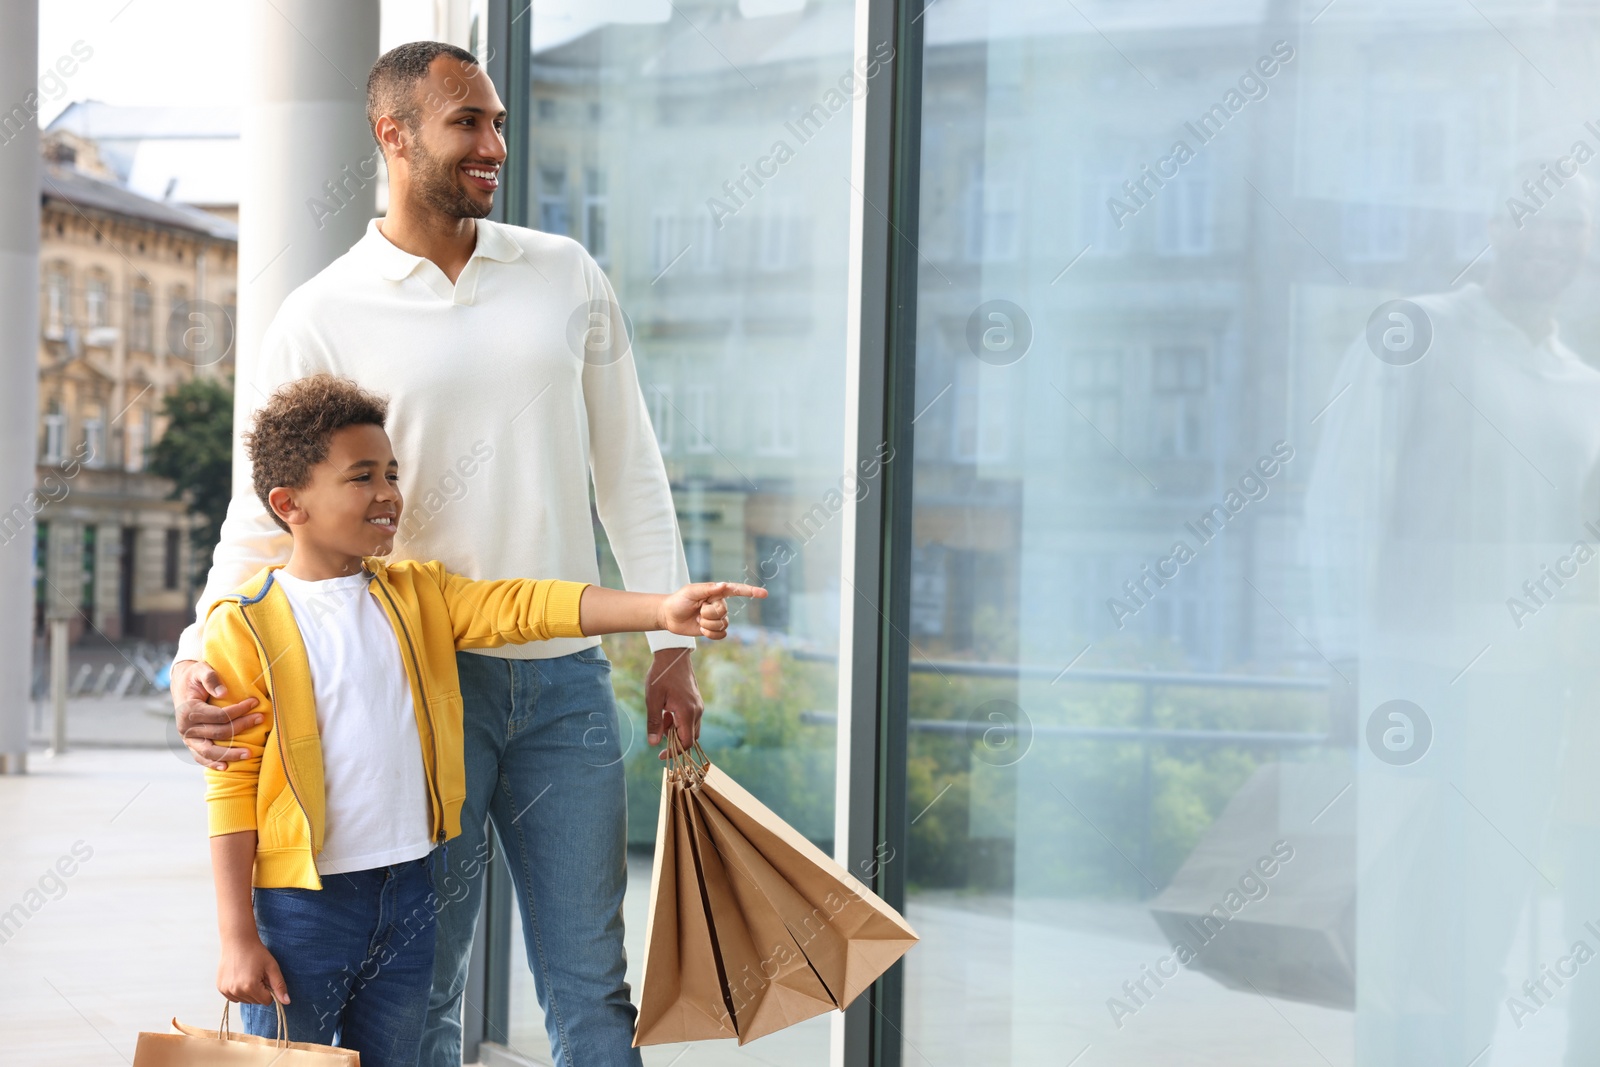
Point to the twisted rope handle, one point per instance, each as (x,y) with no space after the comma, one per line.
(685,764)
(225,1030)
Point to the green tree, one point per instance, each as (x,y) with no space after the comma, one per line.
(196,453)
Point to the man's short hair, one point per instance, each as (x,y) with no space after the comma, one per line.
(392,82)
(294,427)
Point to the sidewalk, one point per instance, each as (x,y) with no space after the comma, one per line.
(107,923)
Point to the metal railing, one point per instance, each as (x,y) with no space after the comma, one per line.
(1146,734)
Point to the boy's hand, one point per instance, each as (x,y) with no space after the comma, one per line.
(249,975)
(700,609)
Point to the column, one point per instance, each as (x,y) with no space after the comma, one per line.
(305,136)
(19,360)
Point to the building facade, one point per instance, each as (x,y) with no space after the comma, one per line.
(136,298)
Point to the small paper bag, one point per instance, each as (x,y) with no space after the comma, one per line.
(190,1046)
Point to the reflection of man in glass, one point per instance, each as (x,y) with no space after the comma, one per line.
(1452,485)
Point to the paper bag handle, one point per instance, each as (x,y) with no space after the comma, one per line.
(225,1031)
(686,763)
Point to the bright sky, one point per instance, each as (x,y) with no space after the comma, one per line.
(177,52)
(171,52)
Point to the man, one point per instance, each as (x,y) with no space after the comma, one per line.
(1455,475)
(507,364)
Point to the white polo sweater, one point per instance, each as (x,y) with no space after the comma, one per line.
(507,392)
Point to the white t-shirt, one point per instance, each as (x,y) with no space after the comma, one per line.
(372,773)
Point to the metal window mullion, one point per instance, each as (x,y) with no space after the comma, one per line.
(870,816)
(508,62)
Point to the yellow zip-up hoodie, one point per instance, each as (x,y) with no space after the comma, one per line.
(254,644)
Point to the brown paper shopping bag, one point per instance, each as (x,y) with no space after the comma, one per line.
(190,1046)
(785,987)
(681,994)
(746,911)
(874,934)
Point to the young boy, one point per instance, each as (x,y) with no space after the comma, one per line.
(356,772)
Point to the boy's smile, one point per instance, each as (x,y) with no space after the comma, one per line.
(351,507)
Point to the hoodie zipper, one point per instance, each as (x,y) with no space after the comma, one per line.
(422,693)
(283,752)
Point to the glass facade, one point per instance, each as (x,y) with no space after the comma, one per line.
(1253,535)
(702,157)
(1250,503)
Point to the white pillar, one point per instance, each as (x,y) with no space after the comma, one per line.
(306,143)
(19,365)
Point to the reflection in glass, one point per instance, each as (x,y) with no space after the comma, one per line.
(664,139)
(1254,607)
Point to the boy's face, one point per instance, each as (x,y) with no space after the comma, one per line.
(352,505)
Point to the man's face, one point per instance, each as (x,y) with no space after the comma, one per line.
(457,150)
(1545,256)
(352,505)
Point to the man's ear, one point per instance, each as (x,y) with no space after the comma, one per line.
(390,137)
(284,505)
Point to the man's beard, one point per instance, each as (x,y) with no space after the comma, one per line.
(436,183)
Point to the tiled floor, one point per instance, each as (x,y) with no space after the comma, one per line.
(127,940)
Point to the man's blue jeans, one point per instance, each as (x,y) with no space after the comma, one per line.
(544,764)
(357,958)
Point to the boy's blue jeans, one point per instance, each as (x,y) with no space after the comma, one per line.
(544,764)
(357,957)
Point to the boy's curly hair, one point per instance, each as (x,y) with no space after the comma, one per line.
(294,426)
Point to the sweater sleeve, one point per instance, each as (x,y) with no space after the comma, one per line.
(249,538)
(229,648)
(632,495)
(514,611)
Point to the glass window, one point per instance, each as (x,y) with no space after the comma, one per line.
(55,433)
(555,214)
(57,303)
(97,299)
(1254,589)
(139,316)
(700,219)
(94,439)
(183,340)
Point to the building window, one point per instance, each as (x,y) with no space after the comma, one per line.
(776,558)
(697,401)
(91,567)
(665,244)
(139,311)
(57,304)
(708,245)
(774,414)
(555,216)
(697,554)
(170,559)
(991,235)
(594,213)
(929,590)
(97,300)
(138,438)
(775,229)
(1094,378)
(1178,387)
(1184,211)
(1103,223)
(55,434)
(982,415)
(185,339)
(94,440)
